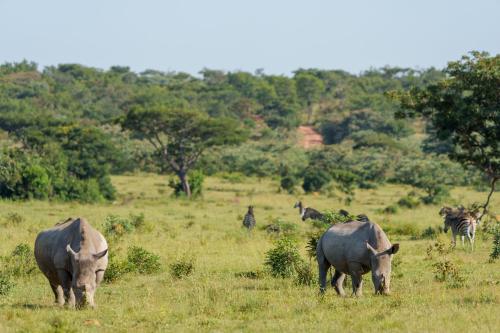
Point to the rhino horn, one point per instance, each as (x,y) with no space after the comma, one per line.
(70,250)
(371,249)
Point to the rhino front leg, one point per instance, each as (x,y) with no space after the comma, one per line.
(356,272)
(338,283)
(58,294)
(65,279)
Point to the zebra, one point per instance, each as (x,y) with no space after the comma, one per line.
(249,219)
(461,222)
(307,212)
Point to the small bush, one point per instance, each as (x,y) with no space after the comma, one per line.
(280,227)
(14,218)
(137,221)
(283,259)
(142,261)
(117,226)
(411,200)
(446,271)
(254,275)
(495,251)
(21,261)
(332,217)
(305,274)
(195,180)
(6,284)
(181,268)
(403,229)
(115,270)
(391,209)
(312,243)
(429,233)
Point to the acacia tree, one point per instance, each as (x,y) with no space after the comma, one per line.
(309,89)
(179,137)
(464,109)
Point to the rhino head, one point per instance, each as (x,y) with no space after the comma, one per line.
(86,275)
(381,268)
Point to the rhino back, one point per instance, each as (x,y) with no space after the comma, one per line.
(346,242)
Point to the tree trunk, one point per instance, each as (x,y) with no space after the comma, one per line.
(185,184)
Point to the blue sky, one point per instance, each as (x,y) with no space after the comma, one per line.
(276,35)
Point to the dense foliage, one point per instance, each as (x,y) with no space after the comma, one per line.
(74,125)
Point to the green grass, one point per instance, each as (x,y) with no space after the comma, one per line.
(226,290)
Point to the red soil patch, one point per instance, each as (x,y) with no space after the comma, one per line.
(309,138)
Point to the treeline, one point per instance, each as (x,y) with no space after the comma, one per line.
(63,136)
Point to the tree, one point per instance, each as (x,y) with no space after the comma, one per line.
(179,136)
(309,89)
(464,108)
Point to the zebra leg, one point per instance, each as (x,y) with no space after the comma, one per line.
(463,237)
(453,239)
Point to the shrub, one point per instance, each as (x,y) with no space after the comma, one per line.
(391,209)
(429,233)
(115,270)
(305,274)
(279,226)
(410,201)
(14,218)
(446,271)
(137,221)
(20,262)
(181,268)
(495,251)
(142,261)
(283,259)
(331,217)
(195,180)
(315,179)
(254,275)
(117,226)
(6,284)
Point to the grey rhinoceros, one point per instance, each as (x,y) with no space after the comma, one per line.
(73,256)
(355,248)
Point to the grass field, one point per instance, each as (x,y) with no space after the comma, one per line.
(217,298)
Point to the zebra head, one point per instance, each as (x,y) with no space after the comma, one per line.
(250,210)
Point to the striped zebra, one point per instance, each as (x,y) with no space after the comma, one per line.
(461,222)
(249,219)
(307,212)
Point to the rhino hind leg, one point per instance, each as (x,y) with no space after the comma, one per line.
(323,266)
(338,282)
(356,272)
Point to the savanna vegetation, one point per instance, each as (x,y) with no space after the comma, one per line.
(165,164)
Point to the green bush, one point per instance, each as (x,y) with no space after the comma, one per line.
(117,226)
(282,261)
(6,284)
(315,179)
(447,271)
(391,209)
(305,274)
(195,180)
(429,233)
(495,251)
(142,261)
(14,218)
(181,268)
(410,201)
(115,270)
(21,261)
(279,227)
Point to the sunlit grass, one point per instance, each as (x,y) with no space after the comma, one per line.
(216,296)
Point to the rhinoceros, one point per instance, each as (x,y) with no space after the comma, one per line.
(355,248)
(73,256)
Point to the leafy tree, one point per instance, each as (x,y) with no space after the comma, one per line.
(309,89)
(179,137)
(464,108)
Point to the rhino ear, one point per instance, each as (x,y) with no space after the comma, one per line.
(100,254)
(395,248)
(371,249)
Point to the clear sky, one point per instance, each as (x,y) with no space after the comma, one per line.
(276,35)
